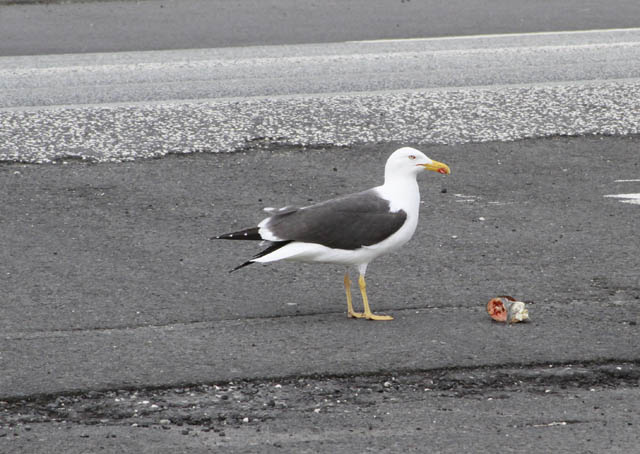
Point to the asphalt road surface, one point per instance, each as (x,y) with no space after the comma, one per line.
(122,330)
(28,29)
(112,283)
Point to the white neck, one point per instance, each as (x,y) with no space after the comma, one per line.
(403,194)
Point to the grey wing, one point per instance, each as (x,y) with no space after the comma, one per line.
(348,222)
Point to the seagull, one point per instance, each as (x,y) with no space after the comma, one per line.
(350,230)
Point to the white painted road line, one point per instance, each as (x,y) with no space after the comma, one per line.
(580,33)
(627,198)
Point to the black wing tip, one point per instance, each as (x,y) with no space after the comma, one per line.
(247,234)
(247,263)
(270,249)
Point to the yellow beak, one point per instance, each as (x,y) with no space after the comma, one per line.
(439,167)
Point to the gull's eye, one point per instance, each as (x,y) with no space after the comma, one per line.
(412,157)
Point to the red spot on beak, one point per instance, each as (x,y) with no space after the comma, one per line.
(442,171)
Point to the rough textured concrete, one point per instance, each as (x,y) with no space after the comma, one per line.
(126,132)
(429,91)
(583,408)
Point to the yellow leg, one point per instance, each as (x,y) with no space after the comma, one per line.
(347,288)
(367,311)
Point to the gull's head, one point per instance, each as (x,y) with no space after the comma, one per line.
(408,161)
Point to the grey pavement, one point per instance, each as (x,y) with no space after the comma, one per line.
(115,26)
(122,329)
(111,283)
(111,279)
(515,410)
